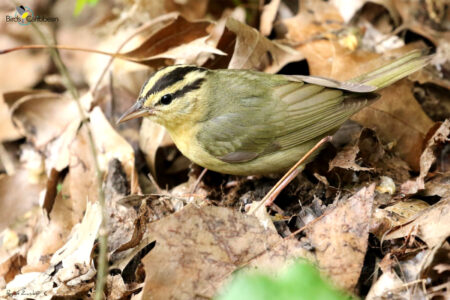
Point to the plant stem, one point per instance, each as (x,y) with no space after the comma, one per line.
(103,233)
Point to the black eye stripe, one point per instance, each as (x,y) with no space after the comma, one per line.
(172,77)
(195,85)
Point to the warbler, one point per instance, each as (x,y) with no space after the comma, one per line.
(246,122)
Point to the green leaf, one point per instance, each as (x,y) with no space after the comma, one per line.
(301,281)
(59,187)
(80,4)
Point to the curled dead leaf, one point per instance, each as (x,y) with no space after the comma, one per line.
(346,159)
(395,215)
(428,157)
(254,51)
(424,18)
(433,224)
(42,116)
(176,41)
(246,48)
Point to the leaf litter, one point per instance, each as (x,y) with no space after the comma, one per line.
(371,211)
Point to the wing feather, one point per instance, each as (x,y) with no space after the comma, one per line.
(276,114)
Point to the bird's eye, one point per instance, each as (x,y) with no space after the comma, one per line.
(166,99)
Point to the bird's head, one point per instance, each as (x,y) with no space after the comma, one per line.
(170,96)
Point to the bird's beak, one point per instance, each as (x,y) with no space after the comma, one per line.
(136,111)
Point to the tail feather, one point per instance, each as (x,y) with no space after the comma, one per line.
(394,71)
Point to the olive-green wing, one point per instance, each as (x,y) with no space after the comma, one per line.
(243,134)
(274,117)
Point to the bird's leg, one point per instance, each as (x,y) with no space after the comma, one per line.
(195,186)
(197,182)
(279,186)
(290,175)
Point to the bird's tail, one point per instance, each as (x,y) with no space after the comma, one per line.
(396,70)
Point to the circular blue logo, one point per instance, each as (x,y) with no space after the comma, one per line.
(24,14)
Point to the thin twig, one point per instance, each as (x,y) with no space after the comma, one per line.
(306,226)
(276,189)
(62,47)
(197,182)
(103,237)
(153,180)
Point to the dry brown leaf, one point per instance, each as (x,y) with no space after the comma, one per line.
(328,58)
(315,20)
(51,190)
(439,185)
(70,267)
(192,9)
(19,236)
(366,154)
(433,224)
(417,279)
(253,51)
(346,158)
(370,147)
(426,18)
(17,195)
(428,157)
(260,212)
(246,48)
(197,249)
(280,255)
(42,116)
(121,222)
(400,213)
(349,8)
(117,289)
(396,116)
(11,267)
(436,77)
(58,151)
(110,145)
(179,41)
(83,181)
(8,131)
(151,137)
(388,283)
(53,232)
(268,15)
(340,238)
(28,74)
